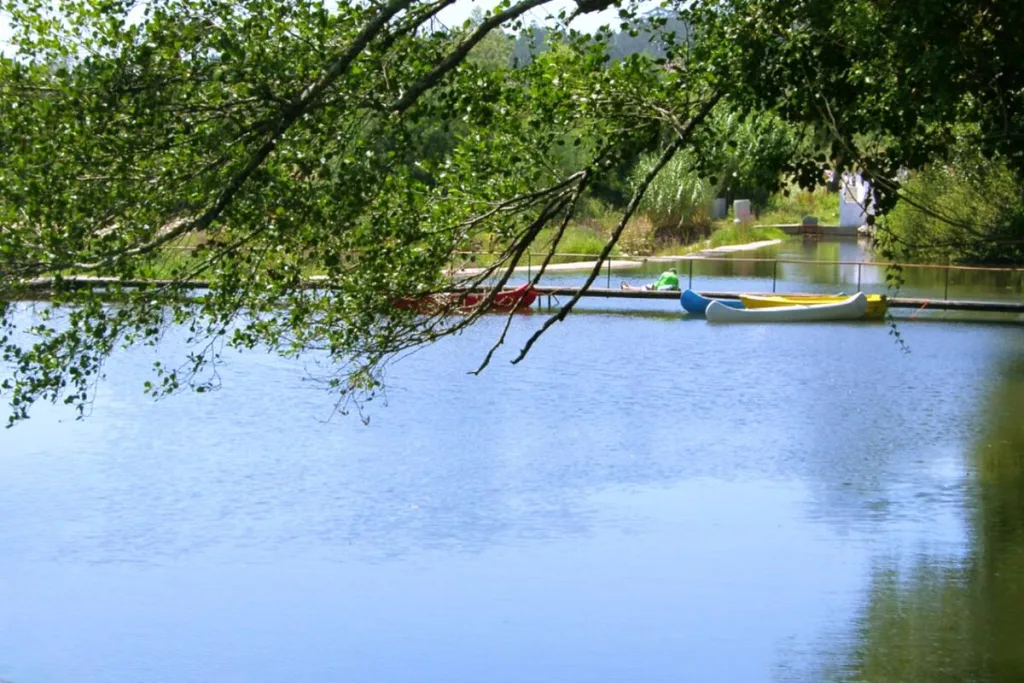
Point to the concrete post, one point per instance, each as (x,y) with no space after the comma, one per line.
(719,208)
(741,211)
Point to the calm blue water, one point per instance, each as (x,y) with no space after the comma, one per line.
(646,498)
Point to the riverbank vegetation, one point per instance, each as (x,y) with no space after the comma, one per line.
(969,211)
(794,204)
(637,240)
(284,137)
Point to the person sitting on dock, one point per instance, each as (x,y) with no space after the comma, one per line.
(667,282)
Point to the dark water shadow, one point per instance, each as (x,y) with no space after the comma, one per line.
(933,615)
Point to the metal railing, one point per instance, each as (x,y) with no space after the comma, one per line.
(692,259)
(697,258)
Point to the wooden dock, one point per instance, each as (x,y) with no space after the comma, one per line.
(894,302)
(42,288)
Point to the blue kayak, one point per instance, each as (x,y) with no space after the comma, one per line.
(695,304)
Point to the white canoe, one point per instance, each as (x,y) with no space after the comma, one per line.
(851,308)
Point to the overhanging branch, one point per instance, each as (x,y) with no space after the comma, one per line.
(684,137)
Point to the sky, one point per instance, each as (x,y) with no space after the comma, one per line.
(461,10)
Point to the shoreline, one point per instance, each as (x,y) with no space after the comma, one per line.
(730,248)
(712,251)
(45,283)
(635,262)
(614,264)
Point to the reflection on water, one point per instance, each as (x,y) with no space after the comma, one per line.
(941,614)
(647,498)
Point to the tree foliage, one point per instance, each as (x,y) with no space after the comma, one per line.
(888,85)
(969,210)
(251,146)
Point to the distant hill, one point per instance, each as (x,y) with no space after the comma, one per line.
(534,40)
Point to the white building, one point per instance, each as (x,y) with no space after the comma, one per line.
(854,201)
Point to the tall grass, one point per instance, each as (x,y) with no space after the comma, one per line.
(740,233)
(678,201)
(638,238)
(578,239)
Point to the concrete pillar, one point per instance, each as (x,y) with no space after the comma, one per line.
(719,208)
(741,211)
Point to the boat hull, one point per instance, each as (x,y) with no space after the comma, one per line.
(695,304)
(510,299)
(877,303)
(851,308)
(505,301)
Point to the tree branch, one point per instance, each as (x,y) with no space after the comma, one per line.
(634,202)
(460,52)
(299,106)
(552,248)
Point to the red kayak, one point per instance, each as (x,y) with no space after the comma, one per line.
(506,300)
(520,298)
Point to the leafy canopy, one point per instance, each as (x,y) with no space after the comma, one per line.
(308,165)
(250,147)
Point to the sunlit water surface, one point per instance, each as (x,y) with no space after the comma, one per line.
(645,498)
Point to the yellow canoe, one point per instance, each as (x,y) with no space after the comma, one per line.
(877,304)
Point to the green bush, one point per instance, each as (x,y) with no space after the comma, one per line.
(968,213)
(793,204)
(638,238)
(737,155)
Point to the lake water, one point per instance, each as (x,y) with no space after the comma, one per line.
(645,498)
